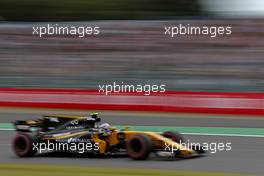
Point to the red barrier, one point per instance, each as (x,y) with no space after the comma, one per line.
(170,101)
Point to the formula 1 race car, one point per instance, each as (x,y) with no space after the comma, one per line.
(86,135)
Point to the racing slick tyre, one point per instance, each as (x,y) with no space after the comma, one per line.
(139,147)
(23,145)
(173,135)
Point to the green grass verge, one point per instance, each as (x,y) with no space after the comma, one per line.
(253,132)
(43,170)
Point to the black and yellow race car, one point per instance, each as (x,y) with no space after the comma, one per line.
(87,135)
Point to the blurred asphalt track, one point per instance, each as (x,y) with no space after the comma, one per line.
(245,157)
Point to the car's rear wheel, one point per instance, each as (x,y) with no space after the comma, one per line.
(23,145)
(174,136)
(139,147)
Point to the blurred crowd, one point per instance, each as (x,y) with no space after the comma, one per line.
(135,52)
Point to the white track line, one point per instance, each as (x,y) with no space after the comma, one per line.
(198,134)
(227,135)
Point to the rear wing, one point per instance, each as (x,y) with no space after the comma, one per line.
(55,122)
(28,125)
(46,123)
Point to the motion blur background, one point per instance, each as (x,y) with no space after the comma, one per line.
(132,46)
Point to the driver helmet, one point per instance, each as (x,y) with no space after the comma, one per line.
(105,126)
